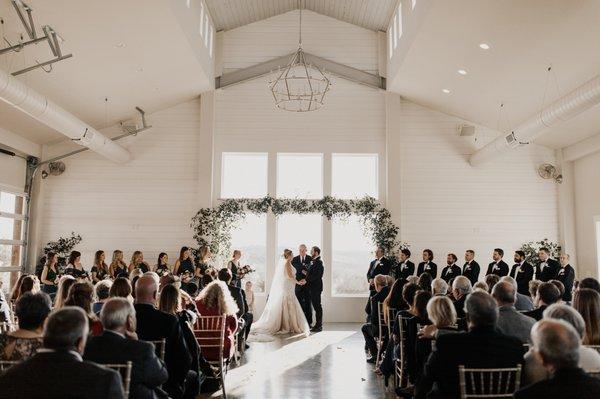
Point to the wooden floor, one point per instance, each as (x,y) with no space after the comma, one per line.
(329,364)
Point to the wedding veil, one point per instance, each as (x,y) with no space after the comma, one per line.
(270,320)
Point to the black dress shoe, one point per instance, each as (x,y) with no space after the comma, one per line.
(247,346)
(316,329)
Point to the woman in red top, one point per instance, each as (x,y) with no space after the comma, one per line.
(215,300)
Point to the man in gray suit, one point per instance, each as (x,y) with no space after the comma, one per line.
(511,322)
(522,302)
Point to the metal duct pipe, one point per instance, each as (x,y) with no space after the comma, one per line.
(24,98)
(577,101)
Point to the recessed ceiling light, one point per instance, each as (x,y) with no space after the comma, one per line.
(120,45)
(484,46)
(447,91)
(462,72)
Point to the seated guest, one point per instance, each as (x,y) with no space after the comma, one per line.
(548,267)
(427,265)
(491,280)
(57,370)
(511,322)
(589,359)
(74,267)
(119,344)
(566,275)
(49,277)
(215,300)
(32,311)
(16,289)
(425,280)
(393,303)
(557,343)
(547,294)
(121,288)
(102,293)
(471,267)
(80,295)
(498,266)
(590,282)
(100,269)
(64,285)
(154,325)
(522,272)
(371,329)
(560,286)
(240,299)
(587,303)
(417,351)
(523,302)
(481,285)
(452,269)
(439,287)
(405,267)
(118,268)
(533,287)
(461,288)
(481,347)
(29,284)
(137,262)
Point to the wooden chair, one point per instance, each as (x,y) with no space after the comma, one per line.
(400,376)
(125,371)
(5,327)
(160,347)
(595,347)
(210,334)
(392,312)
(489,383)
(382,333)
(6,364)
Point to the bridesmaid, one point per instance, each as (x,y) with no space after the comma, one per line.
(100,269)
(137,262)
(183,264)
(117,266)
(234,265)
(205,256)
(162,265)
(74,267)
(50,274)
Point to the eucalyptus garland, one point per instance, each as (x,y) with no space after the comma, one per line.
(213,226)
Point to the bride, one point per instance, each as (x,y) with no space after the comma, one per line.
(282,314)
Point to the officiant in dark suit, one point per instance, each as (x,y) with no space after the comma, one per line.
(380,265)
(522,272)
(314,282)
(301,262)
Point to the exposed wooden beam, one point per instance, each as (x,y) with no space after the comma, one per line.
(327,66)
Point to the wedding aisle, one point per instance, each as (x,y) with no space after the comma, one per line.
(329,364)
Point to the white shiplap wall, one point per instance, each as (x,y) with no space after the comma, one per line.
(322,36)
(145,204)
(442,203)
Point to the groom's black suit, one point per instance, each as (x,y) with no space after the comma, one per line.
(302,292)
(314,281)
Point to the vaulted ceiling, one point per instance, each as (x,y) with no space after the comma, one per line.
(369,14)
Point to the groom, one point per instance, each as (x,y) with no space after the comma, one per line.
(314,282)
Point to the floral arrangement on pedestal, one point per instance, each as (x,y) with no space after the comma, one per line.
(62,247)
(532,248)
(213,226)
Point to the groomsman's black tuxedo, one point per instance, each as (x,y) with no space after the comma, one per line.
(500,269)
(428,267)
(547,272)
(450,272)
(566,275)
(471,271)
(378,266)
(300,264)
(523,275)
(314,282)
(403,270)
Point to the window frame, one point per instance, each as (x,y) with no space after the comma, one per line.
(24,226)
(359,154)
(285,153)
(222,177)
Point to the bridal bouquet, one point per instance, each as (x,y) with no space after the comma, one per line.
(244,270)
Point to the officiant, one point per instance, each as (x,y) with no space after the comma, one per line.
(301,262)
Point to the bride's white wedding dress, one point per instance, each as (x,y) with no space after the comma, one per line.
(283,313)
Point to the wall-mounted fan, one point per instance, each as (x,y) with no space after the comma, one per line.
(549,171)
(54,169)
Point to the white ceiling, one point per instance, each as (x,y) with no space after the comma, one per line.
(142,73)
(370,14)
(525,37)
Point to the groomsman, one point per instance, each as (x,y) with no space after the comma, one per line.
(301,263)
(452,270)
(405,267)
(498,266)
(471,268)
(427,265)
(566,275)
(548,268)
(522,272)
(380,265)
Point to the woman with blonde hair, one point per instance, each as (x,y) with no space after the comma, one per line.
(587,302)
(215,300)
(442,313)
(117,265)
(233,265)
(203,264)
(64,284)
(100,269)
(137,262)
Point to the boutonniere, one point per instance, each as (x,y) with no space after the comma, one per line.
(496,267)
(520,270)
(468,268)
(427,267)
(403,266)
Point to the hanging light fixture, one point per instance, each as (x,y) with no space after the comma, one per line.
(300,86)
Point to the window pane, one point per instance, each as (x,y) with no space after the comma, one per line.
(11,203)
(351,254)
(354,175)
(300,176)
(7,281)
(10,229)
(293,230)
(10,255)
(244,175)
(251,239)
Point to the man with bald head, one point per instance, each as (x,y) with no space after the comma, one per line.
(557,342)
(154,325)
